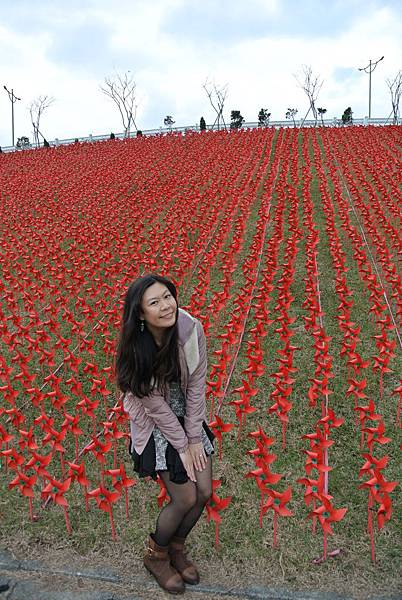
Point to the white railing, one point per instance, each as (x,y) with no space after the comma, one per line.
(335,122)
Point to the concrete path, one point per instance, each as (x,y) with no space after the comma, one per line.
(33,580)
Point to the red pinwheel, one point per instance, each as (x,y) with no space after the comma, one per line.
(357,363)
(163,495)
(39,462)
(120,481)
(242,406)
(214,389)
(384,511)
(255,366)
(375,435)
(9,393)
(25,484)
(314,488)
(356,388)
(37,398)
(277,501)
(5,438)
(378,486)
(326,515)
(381,363)
(76,472)
(330,420)
(16,417)
(88,408)
(13,459)
(219,427)
(99,450)
(373,464)
(215,506)
(55,491)
(366,413)
(111,431)
(260,436)
(261,455)
(72,360)
(282,406)
(105,500)
(316,460)
(71,423)
(99,387)
(264,477)
(54,438)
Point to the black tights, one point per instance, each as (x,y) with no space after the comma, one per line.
(187,501)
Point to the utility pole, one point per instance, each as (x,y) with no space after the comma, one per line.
(13,99)
(371,66)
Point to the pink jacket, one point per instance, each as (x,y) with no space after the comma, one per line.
(155,409)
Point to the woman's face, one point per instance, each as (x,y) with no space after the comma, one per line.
(158,308)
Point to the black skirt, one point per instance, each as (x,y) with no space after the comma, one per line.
(144,463)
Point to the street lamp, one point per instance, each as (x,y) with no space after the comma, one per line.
(371,66)
(13,99)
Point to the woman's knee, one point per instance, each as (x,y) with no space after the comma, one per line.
(186,499)
(204,493)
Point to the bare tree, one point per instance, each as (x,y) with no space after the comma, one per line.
(217,97)
(395,89)
(122,89)
(291,113)
(311,86)
(36,110)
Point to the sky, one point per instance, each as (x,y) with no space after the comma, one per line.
(257,48)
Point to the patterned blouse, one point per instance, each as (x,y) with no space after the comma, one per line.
(178,406)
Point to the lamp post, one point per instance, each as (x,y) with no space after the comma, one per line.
(13,99)
(371,66)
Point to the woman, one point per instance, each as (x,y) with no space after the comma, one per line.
(161,368)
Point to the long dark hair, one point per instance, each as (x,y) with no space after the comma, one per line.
(140,365)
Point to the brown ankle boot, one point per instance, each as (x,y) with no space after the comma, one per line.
(181,563)
(156,560)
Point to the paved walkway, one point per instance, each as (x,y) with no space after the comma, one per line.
(33,580)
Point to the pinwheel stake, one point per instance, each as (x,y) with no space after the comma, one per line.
(370,526)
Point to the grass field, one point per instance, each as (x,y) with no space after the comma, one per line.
(276,239)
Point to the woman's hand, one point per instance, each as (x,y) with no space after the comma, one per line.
(198,455)
(187,460)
